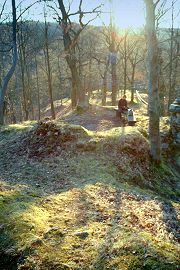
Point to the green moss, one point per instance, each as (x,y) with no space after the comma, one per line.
(143,132)
(156,263)
(117,132)
(50,228)
(90,169)
(150,263)
(135,263)
(18,127)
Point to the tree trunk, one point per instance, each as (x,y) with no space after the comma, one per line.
(49,76)
(77,95)
(38,94)
(70,44)
(153,72)
(9,74)
(171,94)
(125,63)
(132,83)
(89,88)
(74,90)
(29,92)
(1,112)
(114,84)
(12,113)
(104,88)
(60,77)
(104,91)
(132,93)
(22,58)
(175,73)
(162,92)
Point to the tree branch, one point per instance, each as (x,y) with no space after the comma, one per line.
(156,3)
(3,6)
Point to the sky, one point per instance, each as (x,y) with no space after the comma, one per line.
(125,13)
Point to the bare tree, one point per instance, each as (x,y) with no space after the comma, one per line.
(174,59)
(6,79)
(48,68)
(103,66)
(135,55)
(125,61)
(113,42)
(71,34)
(22,44)
(168,43)
(37,85)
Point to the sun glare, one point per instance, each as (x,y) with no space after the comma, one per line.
(127,14)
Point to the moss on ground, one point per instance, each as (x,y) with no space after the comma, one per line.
(17,127)
(83,228)
(83,210)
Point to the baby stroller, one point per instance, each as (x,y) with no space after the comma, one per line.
(131,119)
(127,117)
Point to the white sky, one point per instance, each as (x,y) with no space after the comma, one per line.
(126,13)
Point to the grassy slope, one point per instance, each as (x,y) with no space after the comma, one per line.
(97,205)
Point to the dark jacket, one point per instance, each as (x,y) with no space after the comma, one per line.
(122,104)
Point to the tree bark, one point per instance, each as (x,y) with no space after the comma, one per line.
(132,82)
(172,90)
(60,77)
(38,93)
(12,112)
(49,76)
(76,93)
(171,94)
(69,46)
(23,68)
(23,86)
(153,72)
(104,88)
(125,63)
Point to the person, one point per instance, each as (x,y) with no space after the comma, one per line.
(122,106)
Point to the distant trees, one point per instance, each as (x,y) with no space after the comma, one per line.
(101,56)
(56,60)
(124,53)
(174,52)
(169,56)
(135,54)
(13,48)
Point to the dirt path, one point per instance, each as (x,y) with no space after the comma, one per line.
(96,119)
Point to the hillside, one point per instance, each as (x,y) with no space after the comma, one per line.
(81,193)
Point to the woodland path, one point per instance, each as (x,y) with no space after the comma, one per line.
(99,118)
(96,119)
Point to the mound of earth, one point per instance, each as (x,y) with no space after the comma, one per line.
(45,139)
(131,155)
